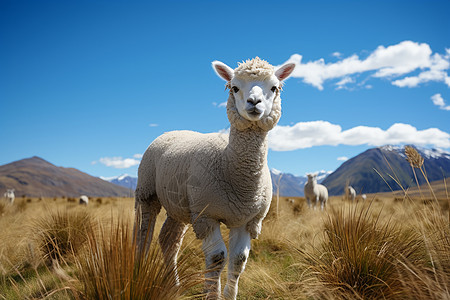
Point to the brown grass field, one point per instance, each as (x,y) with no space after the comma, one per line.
(392,246)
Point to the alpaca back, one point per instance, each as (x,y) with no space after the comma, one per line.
(323,192)
(175,163)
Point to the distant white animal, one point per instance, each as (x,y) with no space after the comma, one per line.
(350,193)
(315,192)
(84,200)
(208,179)
(9,195)
(364,197)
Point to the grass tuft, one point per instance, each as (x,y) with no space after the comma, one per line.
(21,205)
(111,268)
(359,257)
(62,233)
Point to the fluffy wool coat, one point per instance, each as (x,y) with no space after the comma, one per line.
(198,177)
(315,192)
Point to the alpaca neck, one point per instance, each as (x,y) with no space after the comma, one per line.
(246,156)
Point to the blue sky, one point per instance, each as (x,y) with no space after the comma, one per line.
(89,84)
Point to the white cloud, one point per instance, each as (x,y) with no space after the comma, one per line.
(119,162)
(221,104)
(138,156)
(436,72)
(342,158)
(439,101)
(319,133)
(153,125)
(387,62)
(343,82)
(336,54)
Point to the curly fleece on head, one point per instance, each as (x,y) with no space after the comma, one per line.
(254,69)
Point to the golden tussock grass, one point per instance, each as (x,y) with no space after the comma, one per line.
(390,247)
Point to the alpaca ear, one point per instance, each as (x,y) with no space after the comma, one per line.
(222,70)
(284,71)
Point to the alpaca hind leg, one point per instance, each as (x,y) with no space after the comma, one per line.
(239,249)
(170,239)
(215,258)
(146,213)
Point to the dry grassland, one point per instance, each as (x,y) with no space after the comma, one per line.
(389,247)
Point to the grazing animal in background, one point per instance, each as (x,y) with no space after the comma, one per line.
(84,200)
(315,192)
(350,193)
(208,179)
(9,195)
(363,197)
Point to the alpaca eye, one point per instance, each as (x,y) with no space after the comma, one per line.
(235,89)
(273,89)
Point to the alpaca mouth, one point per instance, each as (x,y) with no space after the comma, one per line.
(254,111)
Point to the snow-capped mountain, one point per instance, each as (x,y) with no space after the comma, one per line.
(363,171)
(124,180)
(291,185)
(426,153)
(359,171)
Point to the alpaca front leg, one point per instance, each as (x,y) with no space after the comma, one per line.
(215,258)
(308,201)
(239,250)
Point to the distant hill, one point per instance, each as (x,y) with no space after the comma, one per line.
(387,160)
(35,177)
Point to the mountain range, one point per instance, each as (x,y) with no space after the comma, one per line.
(289,185)
(368,172)
(376,170)
(123,180)
(384,168)
(36,177)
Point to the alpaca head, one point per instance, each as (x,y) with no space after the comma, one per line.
(254,92)
(312,177)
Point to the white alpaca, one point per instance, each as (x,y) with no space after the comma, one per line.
(208,179)
(84,200)
(315,192)
(364,197)
(9,195)
(350,193)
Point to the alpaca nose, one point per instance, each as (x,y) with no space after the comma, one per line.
(255,95)
(253,100)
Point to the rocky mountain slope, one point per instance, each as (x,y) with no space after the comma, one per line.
(378,169)
(35,177)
